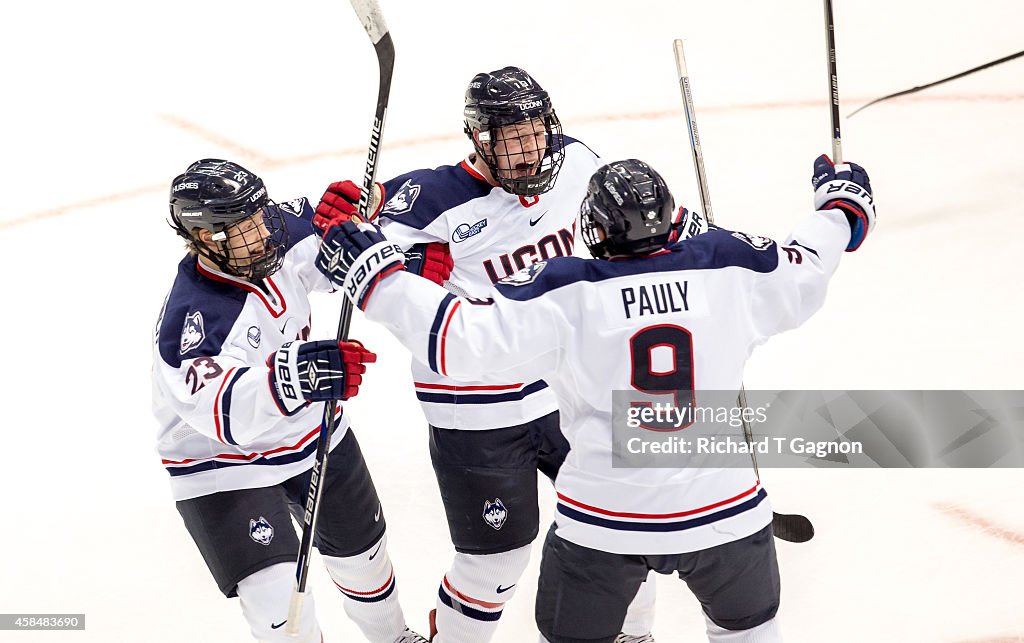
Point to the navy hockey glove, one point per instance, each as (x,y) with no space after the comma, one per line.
(430,260)
(687,224)
(845,187)
(356,257)
(340,202)
(302,372)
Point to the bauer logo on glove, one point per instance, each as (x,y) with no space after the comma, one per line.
(845,187)
(355,257)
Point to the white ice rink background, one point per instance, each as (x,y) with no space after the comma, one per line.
(105,102)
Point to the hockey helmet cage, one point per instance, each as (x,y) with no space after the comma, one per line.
(505,97)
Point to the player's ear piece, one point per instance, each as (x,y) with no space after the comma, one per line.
(203,235)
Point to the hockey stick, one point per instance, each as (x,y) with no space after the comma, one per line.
(373,21)
(791,527)
(833,82)
(938,82)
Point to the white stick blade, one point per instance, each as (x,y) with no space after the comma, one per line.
(372,18)
(294,609)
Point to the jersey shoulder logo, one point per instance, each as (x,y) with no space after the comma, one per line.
(525,276)
(294,206)
(261,531)
(754,241)
(254,335)
(464,231)
(403,200)
(495,513)
(192,333)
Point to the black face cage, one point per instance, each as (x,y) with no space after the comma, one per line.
(589,227)
(543,178)
(243,249)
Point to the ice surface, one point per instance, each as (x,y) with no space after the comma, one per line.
(107,101)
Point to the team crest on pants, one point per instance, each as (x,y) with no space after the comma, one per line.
(495,513)
(261,531)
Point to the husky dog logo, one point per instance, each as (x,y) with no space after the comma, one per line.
(402,201)
(192,333)
(261,531)
(294,206)
(525,276)
(754,241)
(495,513)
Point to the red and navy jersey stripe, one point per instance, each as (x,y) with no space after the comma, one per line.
(435,332)
(477,394)
(222,405)
(305,447)
(677,521)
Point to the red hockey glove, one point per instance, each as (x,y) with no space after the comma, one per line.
(355,355)
(430,260)
(340,202)
(317,371)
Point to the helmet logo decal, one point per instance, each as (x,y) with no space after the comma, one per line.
(611,190)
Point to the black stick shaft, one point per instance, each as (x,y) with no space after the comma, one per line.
(373,21)
(940,81)
(833,82)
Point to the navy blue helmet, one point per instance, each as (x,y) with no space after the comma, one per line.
(220,196)
(510,96)
(627,210)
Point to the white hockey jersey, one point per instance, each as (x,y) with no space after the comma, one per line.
(220,428)
(583,325)
(491,234)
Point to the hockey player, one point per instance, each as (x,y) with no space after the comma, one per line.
(570,321)
(512,202)
(238,393)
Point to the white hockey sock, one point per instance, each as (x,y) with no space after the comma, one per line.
(640,615)
(265,597)
(474,592)
(367,583)
(767,632)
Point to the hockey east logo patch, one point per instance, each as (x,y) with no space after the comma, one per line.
(403,200)
(261,531)
(192,333)
(464,231)
(495,513)
(754,241)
